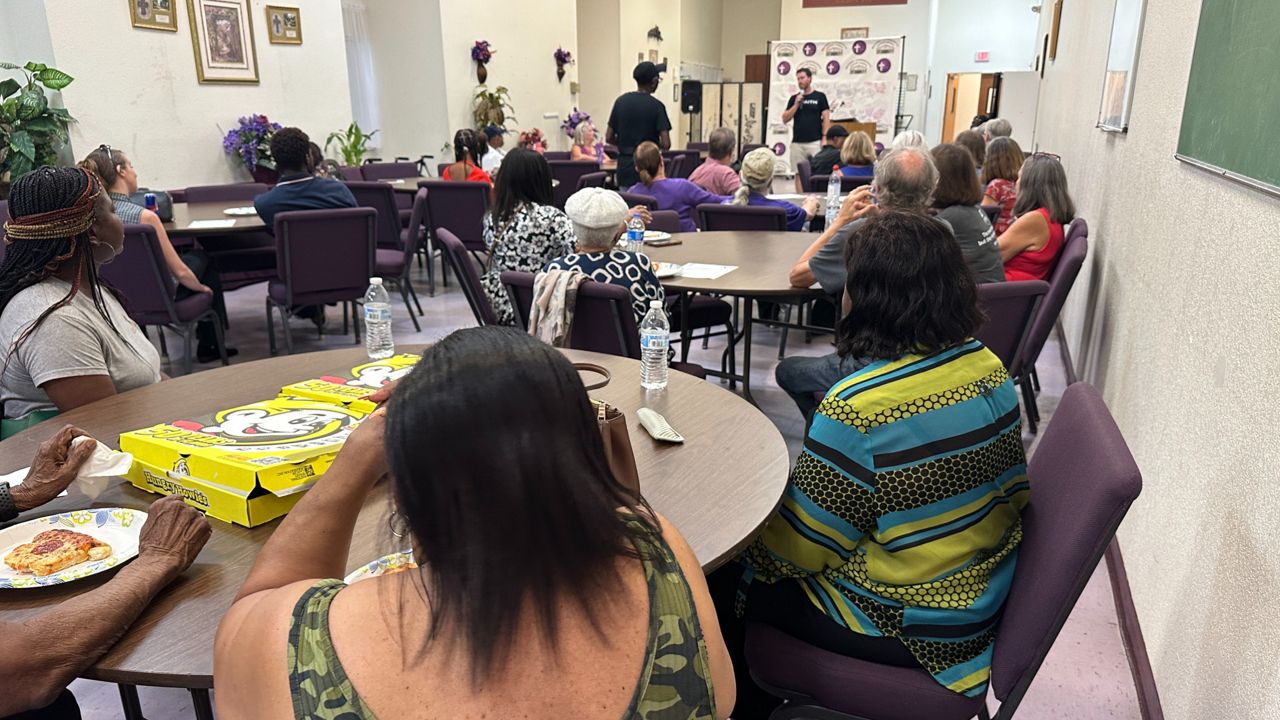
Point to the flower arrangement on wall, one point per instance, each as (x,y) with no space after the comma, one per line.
(482,52)
(532,140)
(563,57)
(250,140)
(576,118)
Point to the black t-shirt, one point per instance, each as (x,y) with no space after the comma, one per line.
(637,117)
(808,119)
(821,162)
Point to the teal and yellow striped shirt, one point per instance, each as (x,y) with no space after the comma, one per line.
(901,518)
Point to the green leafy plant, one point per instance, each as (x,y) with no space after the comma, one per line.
(31,132)
(352,143)
(491,108)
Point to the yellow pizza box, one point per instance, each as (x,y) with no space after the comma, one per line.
(279,445)
(350,390)
(228,504)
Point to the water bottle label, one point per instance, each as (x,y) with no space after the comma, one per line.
(376,314)
(654,341)
(635,235)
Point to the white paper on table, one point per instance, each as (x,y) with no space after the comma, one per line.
(104,462)
(201,224)
(705,271)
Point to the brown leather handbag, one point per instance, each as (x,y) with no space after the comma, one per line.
(613,431)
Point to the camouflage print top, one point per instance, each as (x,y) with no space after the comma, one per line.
(675,683)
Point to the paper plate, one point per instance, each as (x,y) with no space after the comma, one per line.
(117,527)
(655,235)
(388,565)
(666,270)
(241,211)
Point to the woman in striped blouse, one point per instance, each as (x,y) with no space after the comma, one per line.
(897,536)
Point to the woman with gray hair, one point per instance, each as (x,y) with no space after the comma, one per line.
(757,182)
(585,146)
(909,138)
(599,217)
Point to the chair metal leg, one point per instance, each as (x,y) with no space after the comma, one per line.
(414,294)
(1035,379)
(188,348)
(203,706)
(1029,404)
(220,337)
(284,325)
(164,349)
(404,293)
(982,712)
(346,317)
(271,329)
(782,342)
(129,699)
(356,309)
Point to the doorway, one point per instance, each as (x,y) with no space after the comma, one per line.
(968,95)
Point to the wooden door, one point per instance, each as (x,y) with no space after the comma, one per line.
(756,70)
(949,109)
(989,95)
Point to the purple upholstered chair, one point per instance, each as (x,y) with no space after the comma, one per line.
(699,147)
(1061,280)
(441,167)
(592,179)
(459,207)
(394,265)
(804,170)
(350,172)
(674,162)
(818,183)
(231,192)
(741,217)
(381,197)
(1010,307)
(550,155)
(602,318)
(1083,480)
(455,254)
(748,148)
(665,221)
(322,256)
(418,235)
(569,173)
(993,213)
(4,218)
(140,274)
(634,199)
(393,171)
(243,258)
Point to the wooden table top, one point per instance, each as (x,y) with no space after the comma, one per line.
(185,213)
(717,488)
(763,260)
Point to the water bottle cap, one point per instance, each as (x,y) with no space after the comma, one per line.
(375,281)
(655,303)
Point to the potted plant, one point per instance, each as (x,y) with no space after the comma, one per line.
(250,140)
(491,108)
(352,143)
(31,132)
(482,52)
(563,57)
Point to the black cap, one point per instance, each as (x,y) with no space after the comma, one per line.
(646,71)
(493,131)
(836,131)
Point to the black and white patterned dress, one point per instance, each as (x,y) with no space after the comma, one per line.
(633,271)
(535,235)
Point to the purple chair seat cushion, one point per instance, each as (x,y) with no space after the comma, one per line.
(849,685)
(388,263)
(278,292)
(690,369)
(188,309)
(704,312)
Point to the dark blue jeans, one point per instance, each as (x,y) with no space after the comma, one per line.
(805,377)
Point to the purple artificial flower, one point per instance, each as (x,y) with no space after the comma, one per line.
(576,118)
(251,140)
(481,52)
(563,57)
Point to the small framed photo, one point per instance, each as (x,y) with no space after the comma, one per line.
(284,25)
(153,14)
(222,39)
(858,33)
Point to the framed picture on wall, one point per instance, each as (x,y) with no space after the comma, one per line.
(284,25)
(153,14)
(857,33)
(222,39)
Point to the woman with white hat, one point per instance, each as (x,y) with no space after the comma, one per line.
(757,181)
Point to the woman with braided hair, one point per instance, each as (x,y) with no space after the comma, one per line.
(65,338)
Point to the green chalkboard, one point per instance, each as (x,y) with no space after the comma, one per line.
(1231,118)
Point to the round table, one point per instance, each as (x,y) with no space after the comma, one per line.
(717,488)
(763,260)
(185,213)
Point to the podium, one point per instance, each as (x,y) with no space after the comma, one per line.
(851,126)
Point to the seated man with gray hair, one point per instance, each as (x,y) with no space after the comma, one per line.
(599,218)
(716,174)
(997,127)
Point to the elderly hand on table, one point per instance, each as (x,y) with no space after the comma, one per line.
(54,468)
(173,534)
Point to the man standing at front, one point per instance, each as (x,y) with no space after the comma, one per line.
(636,117)
(812,117)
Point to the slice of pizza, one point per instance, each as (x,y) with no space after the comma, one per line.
(54,550)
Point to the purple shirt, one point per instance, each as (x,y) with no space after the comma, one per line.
(716,177)
(796,216)
(679,195)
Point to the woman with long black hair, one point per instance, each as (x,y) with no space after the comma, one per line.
(66,339)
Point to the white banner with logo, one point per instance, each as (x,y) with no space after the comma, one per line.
(861,79)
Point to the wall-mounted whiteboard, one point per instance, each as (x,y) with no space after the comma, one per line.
(1122,63)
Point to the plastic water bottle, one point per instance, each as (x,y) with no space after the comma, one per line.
(377,321)
(833,195)
(635,233)
(655,336)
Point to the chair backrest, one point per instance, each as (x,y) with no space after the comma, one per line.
(4,218)
(1061,280)
(804,170)
(818,183)
(993,213)
(748,148)
(459,207)
(140,274)
(382,198)
(350,172)
(634,199)
(741,217)
(603,320)
(1009,307)
(569,173)
(440,168)
(699,147)
(592,179)
(388,170)
(464,268)
(233,192)
(326,250)
(1083,480)
(550,155)
(675,166)
(417,227)
(689,161)
(665,220)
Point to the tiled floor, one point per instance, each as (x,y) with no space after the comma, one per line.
(1085,676)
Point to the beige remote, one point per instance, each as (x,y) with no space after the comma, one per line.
(658,426)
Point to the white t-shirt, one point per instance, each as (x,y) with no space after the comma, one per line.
(73,341)
(492,159)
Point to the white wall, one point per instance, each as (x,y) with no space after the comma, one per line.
(1177,318)
(701,31)
(1004,28)
(599,64)
(1019,99)
(748,25)
(24,34)
(636,17)
(409,64)
(136,89)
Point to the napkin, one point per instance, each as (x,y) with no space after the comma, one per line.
(202,224)
(104,462)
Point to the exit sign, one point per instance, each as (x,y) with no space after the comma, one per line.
(982,56)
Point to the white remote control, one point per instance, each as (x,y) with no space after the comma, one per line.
(658,426)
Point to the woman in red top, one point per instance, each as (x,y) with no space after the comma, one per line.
(999,173)
(1031,245)
(467,149)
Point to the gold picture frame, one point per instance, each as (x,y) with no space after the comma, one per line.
(154,14)
(222,40)
(855,33)
(284,25)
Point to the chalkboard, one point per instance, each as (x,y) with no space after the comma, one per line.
(1231,117)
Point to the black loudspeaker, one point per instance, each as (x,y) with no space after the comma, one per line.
(691,96)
